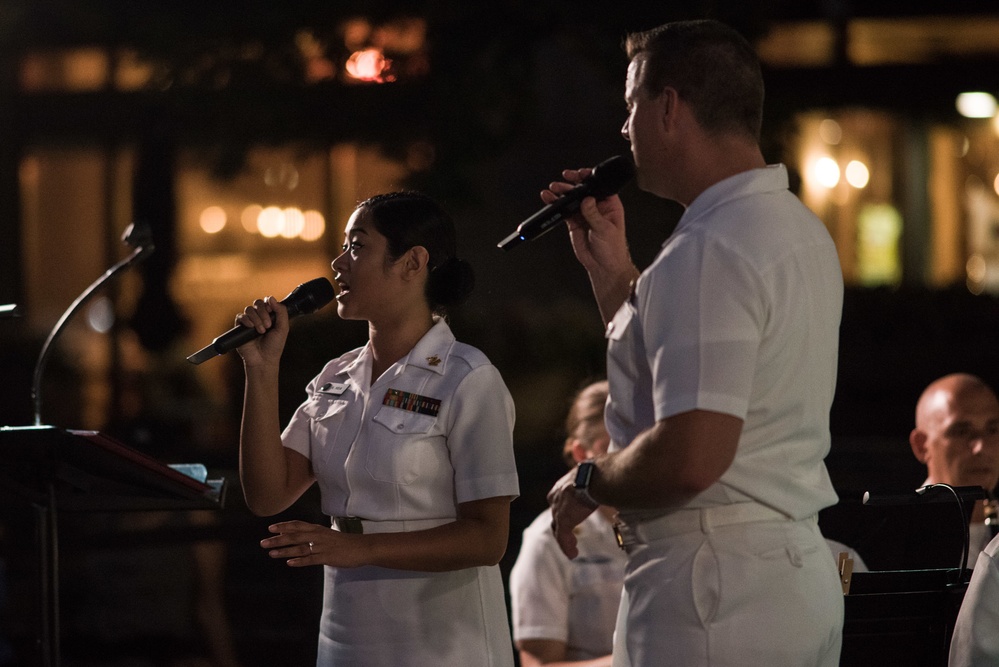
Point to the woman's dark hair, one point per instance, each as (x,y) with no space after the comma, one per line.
(408,219)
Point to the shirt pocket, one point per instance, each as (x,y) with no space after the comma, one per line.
(321,407)
(400,447)
(621,321)
(327,416)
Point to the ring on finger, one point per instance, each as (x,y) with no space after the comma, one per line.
(310,547)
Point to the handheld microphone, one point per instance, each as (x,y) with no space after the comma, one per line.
(304,299)
(607,178)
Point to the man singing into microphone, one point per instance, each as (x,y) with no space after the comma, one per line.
(722,366)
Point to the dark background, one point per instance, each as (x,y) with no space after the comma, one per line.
(518,91)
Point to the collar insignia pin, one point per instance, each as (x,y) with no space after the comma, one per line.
(434,360)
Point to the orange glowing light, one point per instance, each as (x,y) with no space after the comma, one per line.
(212,219)
(369,65)
(315,225)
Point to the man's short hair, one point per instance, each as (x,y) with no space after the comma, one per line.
(711,66)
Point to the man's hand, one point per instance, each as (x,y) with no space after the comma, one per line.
(569,509)
(597,233)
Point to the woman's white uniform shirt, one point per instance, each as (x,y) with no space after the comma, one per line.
(433,431)
(570,601)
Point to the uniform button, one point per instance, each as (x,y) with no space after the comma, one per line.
(398,427)
(795,555)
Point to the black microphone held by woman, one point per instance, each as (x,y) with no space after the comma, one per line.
(305,299)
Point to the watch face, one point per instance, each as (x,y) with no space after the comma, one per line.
(583,472)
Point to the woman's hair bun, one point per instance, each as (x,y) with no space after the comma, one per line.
(450,284)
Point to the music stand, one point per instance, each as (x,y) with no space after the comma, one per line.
(58,469)
(902,615)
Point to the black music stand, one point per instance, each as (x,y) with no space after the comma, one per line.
(58,469)
(903,611)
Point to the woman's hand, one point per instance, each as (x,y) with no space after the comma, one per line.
(304,544)
(270,318)
(476,538)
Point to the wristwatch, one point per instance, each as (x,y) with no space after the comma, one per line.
(584,473)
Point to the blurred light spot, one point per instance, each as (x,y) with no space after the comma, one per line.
(369,65)
(293,224)
(314,226)
(976,105)
(250,216)
(879,227)
(857,174)
(976,268)
(995,184)
(356,32)
(319,69)
(966,143)
(830,132)
(100,315)
(284,175)
(270,222)
(213,219)
(826,172)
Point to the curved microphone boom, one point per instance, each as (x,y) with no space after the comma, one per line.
(607,178)
(304,299)
(138,237)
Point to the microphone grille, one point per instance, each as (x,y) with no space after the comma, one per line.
(310,296)
(611,175)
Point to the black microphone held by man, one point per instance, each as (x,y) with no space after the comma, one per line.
(607,178)
(305,299)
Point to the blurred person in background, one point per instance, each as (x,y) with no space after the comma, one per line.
(564,610)
(957,438)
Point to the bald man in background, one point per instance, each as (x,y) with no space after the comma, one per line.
(957,438)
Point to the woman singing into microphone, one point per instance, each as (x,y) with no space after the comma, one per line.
(410,440)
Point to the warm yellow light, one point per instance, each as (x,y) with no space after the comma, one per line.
(293,223)
(826,172)
(315,225)
(879,227)
(249,217)
(976,268)
(857,174)
(213,219)
(830,132)
(995,184)
(976,105)
(270,221)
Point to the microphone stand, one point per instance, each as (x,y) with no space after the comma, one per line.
(137,236)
